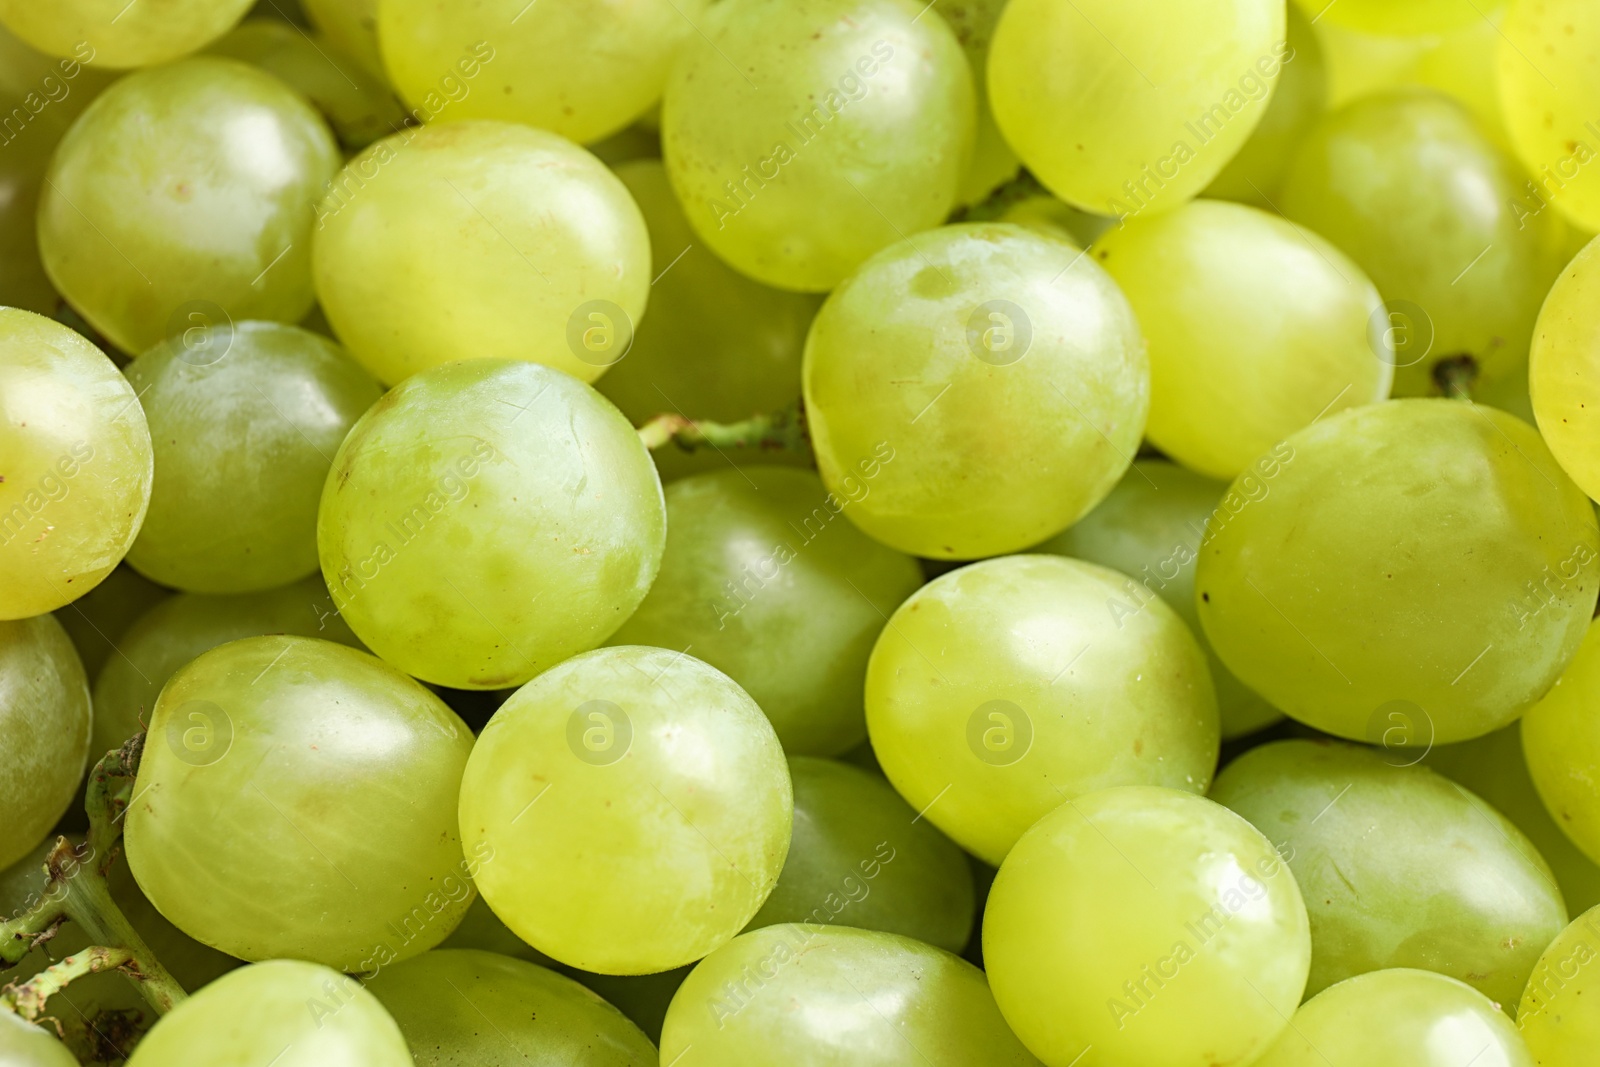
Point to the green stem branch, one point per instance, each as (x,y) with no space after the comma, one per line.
(28,998)
(783,430)
(76,889)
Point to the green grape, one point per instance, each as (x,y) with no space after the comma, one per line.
(1408,186)
(581,68)
(97,620)
(304,1014)
(352,26)
(23,1044)
(1118,117)
(1417,571)
(1300,99)
(40,95)
(78,465)
(486,520)
(443,1000)
(1494,768)
(1044,214)
(1361,64)
(637,142)
(118,34)
(1004,688)
(1549,77)
(1256,328)
(298,799)
(474,240)
(481,929)
(993,161)
(860,857)
(1563,368)
(1400,1018)
(44,718)
(800,994)
(182,198)
(1561,738)
(668,816)
(1560,1027)
(1148,902)
(974,390)
(1151,528)
(715,344)
(1400,867)
(855,131)
(1398,17)
(356,103)
(762,580)
(258,404)
(643,998)
(177,630)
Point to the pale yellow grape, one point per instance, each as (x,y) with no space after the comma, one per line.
(1564,369)
(283,1012)
(993,161)
(76,461)
(44,720)
(1255,328)
(1559,1016)
(974,390)
(298,800)
(1300,98)
(1153,927)
(842,127)
(798,994)
(476,240)
(634,809)
(1561,738)
(119,34)
(1549,75)
(487,519)
(581,68)
(1401,1018)
(1003,688)
(1116,116)
(184,193)
(1412,572)
(1151,528)
(22,1044)
(357,104)
(714,345)
(1399,17)
(352,25)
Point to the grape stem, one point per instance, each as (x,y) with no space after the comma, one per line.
(1455,376)
(28,998)
(1023,187)
(76,889)
(783,430)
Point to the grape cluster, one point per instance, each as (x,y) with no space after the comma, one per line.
(800,533)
